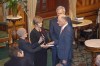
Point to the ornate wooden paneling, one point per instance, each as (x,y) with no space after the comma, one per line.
(85,8)
(1,12)
(88,9)
(47,8)
(87,5)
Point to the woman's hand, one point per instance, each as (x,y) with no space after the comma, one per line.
(40,40)
(44,46)
(50,43)
(64,62)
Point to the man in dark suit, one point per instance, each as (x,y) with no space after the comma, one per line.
(64,46)
(28,48)
(54,33)
(16,56)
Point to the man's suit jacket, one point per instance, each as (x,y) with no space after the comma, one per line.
(54,30)
(14,61)
(29,51)
(65,41)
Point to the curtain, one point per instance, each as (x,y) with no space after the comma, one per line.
(31,6)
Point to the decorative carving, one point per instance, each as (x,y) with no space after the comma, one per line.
(1,12)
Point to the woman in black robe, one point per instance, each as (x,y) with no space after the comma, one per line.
(39,35)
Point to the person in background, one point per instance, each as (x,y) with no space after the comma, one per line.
(38,36)
(16,56)
(54,33)
(28,48)
(65,41)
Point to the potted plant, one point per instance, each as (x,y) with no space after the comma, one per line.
(12,5)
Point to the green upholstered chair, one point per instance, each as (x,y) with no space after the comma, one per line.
(3,34)
(46,23)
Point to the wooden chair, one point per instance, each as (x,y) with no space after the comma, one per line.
(93,31)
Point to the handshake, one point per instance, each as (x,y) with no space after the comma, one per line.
(47,45)
(42,42)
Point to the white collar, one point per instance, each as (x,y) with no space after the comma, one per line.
(64,26)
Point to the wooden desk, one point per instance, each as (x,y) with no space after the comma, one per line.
(84,22)
(77,27)
(93,45)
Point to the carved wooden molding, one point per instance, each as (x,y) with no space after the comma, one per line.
(88,9)
(87,5)
(1,12)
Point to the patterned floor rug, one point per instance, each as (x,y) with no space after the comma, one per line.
(80,56)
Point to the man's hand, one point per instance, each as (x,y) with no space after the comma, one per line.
(50,43)
(20,54)
(44,46)
(47,45)
(64,62)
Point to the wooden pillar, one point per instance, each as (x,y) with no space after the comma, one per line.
(98,22)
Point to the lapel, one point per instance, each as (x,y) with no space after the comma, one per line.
(63,32)
(66,28)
